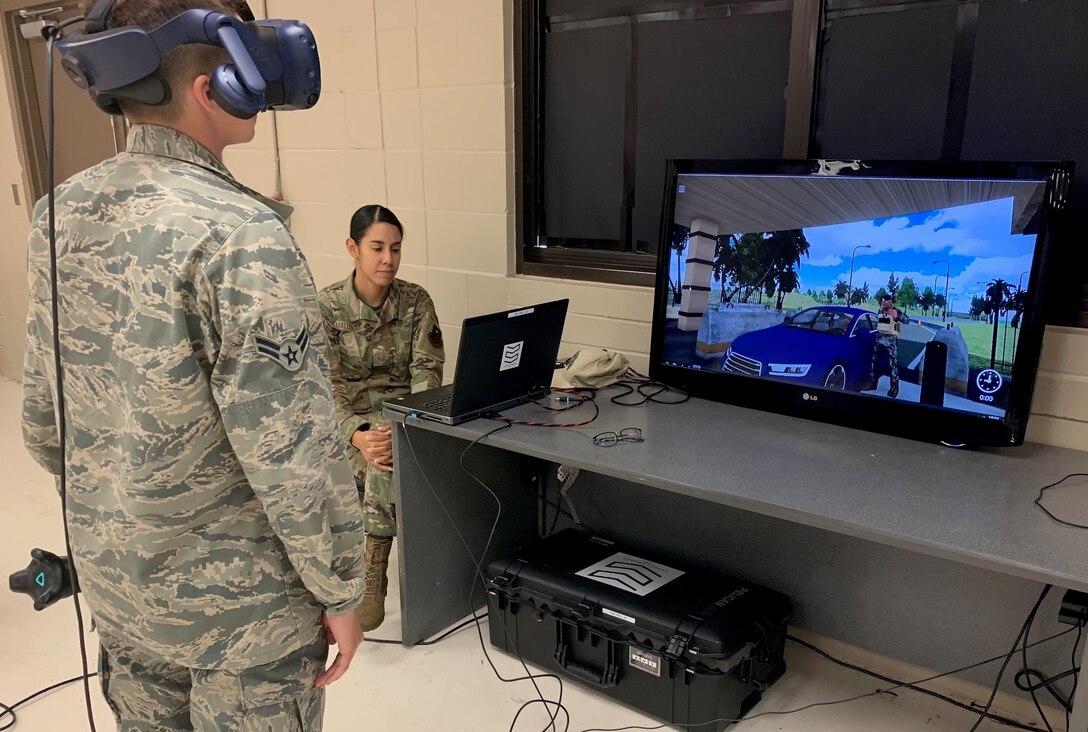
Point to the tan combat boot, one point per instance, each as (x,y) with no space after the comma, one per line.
(371,612)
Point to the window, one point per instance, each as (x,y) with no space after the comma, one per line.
(804,319)
(610,89)
(866,324)
(616,88)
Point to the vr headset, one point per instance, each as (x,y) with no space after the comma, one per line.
(274,63)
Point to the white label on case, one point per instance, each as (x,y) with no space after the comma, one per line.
(618,616)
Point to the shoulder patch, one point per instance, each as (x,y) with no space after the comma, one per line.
(435,336)
(290,354)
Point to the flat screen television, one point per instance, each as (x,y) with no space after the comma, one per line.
(900,297)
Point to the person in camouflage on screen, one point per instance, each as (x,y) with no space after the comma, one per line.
(889,319)
(214,522)
(385,341)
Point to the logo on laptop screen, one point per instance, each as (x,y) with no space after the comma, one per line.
(511,356)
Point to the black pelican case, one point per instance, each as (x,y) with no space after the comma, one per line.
(685,645)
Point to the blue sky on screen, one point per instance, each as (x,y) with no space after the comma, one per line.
(975,239)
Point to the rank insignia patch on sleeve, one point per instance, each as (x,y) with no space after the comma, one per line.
(290,353)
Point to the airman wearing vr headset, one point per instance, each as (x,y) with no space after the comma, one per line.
(214,521)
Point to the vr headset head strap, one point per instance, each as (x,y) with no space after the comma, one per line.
(96,19)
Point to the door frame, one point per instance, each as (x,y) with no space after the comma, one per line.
(19,70)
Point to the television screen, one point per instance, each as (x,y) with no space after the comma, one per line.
(904,297)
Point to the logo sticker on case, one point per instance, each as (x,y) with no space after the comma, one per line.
(637,576)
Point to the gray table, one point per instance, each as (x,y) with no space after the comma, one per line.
(770,476)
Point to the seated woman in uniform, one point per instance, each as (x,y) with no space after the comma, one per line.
(384,341)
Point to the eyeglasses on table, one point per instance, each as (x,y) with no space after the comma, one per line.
(628,434)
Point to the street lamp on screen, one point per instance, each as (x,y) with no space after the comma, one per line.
(851,283)
(947,271)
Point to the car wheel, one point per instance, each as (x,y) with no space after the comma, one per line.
(836,378)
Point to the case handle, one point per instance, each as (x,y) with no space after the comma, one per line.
(605,679)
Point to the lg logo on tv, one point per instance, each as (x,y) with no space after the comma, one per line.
(811,398)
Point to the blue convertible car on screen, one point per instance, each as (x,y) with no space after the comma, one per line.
(822,346)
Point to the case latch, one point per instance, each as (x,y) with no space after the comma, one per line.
(499,584)
(678,644)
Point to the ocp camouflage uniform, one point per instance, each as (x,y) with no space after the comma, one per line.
(213,514)
(377,354)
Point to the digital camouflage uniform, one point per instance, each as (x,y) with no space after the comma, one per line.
(272,698)
(213,514)
(377,354)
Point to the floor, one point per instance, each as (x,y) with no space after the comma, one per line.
(448,687)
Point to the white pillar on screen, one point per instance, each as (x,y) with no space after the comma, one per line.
(702,245)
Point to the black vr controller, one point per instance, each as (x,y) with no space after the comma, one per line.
(46,579)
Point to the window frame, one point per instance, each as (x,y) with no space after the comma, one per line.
(628,267)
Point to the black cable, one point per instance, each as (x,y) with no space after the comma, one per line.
(560,510)
(1024,654)
(649,391)
(1045,488)
(483,583)
(888,691)
(50,148)
(432,641)
(744,719)
(1015,643)
(556,505)
(913,685)
(5,710)
(1076,678)
(509,423)
(555,519)
(548,704)
(1023,681)
(577,398)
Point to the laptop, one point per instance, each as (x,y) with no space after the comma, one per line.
(505,359)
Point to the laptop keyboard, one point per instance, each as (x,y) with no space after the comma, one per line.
(439,405)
